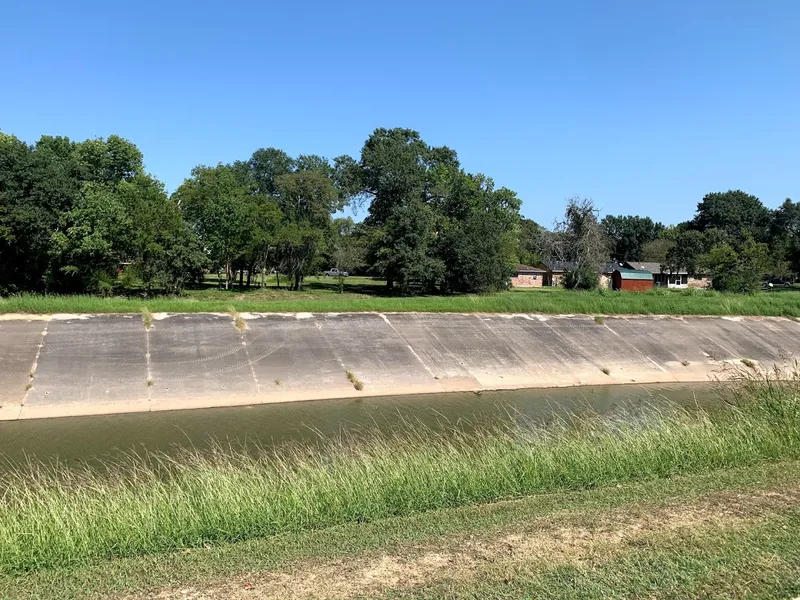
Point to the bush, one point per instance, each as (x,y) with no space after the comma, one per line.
(581,278)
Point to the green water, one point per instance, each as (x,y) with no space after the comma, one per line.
(81,438)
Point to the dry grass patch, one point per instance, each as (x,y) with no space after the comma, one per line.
(238,321)
(147,318)
(566,539)
(352,378)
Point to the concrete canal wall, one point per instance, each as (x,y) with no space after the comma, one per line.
(93,364)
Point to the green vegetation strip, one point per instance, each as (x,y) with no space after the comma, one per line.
(143,504)
(556,301)
(238,564)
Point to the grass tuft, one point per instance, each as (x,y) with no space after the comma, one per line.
(599,320)
(750,364)
(238,321)
(606,370)
(147,318)
(685,363)
(52,516)
(277,382)
(149,382)
(352,378)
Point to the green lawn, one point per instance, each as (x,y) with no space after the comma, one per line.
(321,294)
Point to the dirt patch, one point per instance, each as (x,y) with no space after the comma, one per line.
(570,538)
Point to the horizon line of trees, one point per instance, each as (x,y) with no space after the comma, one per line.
(85,217)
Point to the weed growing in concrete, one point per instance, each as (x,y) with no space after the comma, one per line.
(606,370)
(149,382)
(685,363)
(357,383)
(749,363)
(53,516)
(599,320)
(277,382)
(147,318)
(29,386)
(238,321)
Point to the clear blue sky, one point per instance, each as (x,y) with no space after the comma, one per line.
(642,106)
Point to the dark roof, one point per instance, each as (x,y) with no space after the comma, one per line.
(653,267)
(640,274)
(527,269)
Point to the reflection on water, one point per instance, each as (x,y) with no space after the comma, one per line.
(77,438)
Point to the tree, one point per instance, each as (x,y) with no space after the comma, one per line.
(734,212)
(580,238)
(307,197)
(347,249)
(657,250)
(740,271)
(784,236)
(398,171)
(405,255)
(532,242)
(628,235)
(216,204)
(476,237)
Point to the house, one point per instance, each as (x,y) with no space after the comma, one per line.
(525,276)
(555,269)
(631,280)
(668,278)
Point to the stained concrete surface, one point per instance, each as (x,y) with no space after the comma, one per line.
(197,359)
(91,360)
(19,344)
(99,364)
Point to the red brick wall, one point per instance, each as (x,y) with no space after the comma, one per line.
(526,281)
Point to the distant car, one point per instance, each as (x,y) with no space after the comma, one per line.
(776,282)
(336,273)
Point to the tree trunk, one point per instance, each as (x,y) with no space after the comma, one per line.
(297,281)
(389,283)
(241,279)
(227,274)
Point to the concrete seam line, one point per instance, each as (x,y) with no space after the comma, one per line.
(400,335)
(35,364)
(149,381)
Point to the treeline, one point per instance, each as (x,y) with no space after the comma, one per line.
(85,217)
(733,238)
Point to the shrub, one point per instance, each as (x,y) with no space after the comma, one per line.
(583,277)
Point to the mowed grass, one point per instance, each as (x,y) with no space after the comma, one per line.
(365,294)
(150,503)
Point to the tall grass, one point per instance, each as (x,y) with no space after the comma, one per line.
(555,301)
(146,503)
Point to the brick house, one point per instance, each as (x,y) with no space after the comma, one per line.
(555,269)
(525,276)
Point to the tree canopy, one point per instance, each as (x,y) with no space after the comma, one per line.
(87,217)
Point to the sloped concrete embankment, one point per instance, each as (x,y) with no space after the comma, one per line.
(93,364)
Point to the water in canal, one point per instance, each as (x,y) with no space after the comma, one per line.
(80,438)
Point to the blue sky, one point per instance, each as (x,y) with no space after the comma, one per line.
(642,106)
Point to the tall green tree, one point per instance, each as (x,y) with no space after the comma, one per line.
(735,213)
(628,235)
(216,203)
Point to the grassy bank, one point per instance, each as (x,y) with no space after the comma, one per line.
(51,517)
(725,533)
(357,298)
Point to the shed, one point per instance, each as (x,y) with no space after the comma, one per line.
(632,280)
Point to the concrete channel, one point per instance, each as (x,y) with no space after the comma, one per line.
(66,365)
